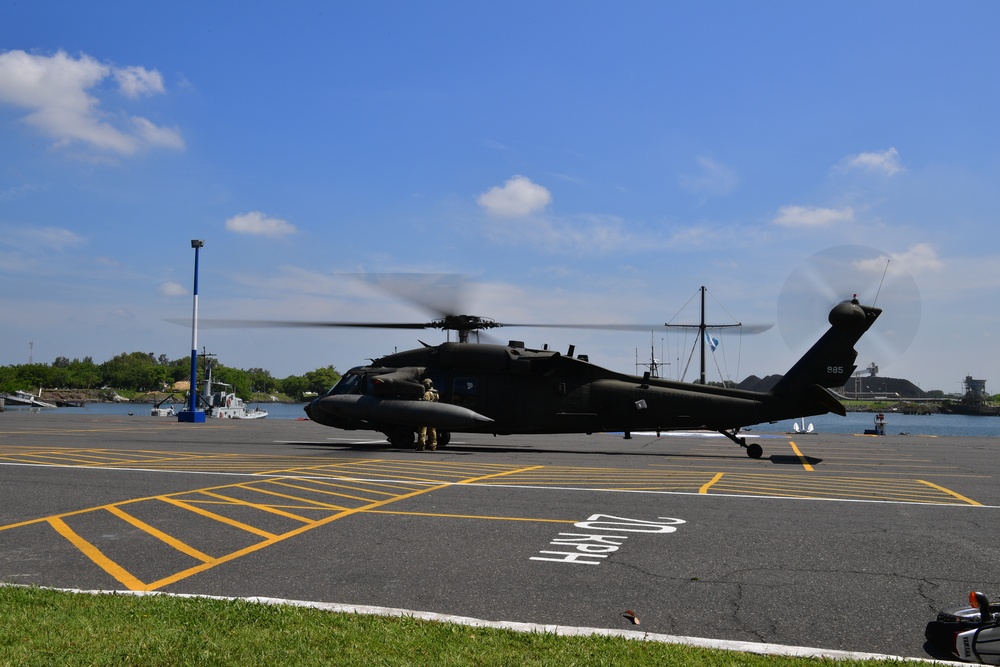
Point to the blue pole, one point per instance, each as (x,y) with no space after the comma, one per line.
(192,414)
(193,393)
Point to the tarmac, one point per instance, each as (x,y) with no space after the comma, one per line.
(832,542)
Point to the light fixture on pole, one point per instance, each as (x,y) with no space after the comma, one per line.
(193,414)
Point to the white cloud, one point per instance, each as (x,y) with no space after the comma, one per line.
(154,135)
(920,259)
(886,162)
(517,197)
(713,179)
(258,224)
(137,81)
(56,237)
(171,288)
(18,192)
(39,239)
(55,90)
(811,217)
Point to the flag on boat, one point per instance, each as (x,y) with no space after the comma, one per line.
(712,342)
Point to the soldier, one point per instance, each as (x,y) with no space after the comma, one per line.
(427,435)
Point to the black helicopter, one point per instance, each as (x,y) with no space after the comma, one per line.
(510,389)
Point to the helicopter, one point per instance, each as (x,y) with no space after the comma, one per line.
(512,389)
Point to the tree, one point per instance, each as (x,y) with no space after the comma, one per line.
(83,374)
(144,371)
(321,379)
(262,381)
(136,371)
(318,381)
(294,386)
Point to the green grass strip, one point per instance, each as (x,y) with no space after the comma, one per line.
(50,627)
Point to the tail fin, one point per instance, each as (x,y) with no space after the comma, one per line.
(830,362)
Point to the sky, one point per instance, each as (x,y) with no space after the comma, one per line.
(573,162)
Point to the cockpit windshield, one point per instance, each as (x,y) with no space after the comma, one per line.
(349,384)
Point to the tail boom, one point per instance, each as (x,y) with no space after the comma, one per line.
(804,389)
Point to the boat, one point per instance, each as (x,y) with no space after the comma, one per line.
(158,410)
(20,397)
(225,404)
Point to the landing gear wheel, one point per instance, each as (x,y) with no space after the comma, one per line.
(754,451)
(402,437)
(443,438)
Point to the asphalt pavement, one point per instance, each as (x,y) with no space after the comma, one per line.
(829,541)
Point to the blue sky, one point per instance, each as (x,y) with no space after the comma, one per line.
(577,161)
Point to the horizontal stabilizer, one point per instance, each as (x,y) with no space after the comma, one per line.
(825,397)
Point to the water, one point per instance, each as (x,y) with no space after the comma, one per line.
(274,410)
(854,422)
(933,424)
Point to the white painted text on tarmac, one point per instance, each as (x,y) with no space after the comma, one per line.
(605,535)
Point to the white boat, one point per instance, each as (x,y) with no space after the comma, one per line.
(225,404)
(20,397)
(165,408)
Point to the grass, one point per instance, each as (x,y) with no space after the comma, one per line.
(48,627)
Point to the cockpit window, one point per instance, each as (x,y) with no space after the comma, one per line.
(464,391)
(349,384)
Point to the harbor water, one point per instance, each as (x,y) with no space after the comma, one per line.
(854,422)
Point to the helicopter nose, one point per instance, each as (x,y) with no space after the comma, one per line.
(316,413)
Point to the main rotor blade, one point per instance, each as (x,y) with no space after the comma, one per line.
(285,324)
(302,324)
(716,328)
(439,293)
(726,328)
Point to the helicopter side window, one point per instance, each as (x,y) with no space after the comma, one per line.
(349,384)
(464,391)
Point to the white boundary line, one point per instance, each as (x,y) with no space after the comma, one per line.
(560,630)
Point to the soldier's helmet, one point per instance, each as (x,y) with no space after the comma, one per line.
(428,383)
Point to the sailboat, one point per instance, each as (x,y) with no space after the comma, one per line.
(803,428)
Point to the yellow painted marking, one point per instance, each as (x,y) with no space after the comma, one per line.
(706,487)
(395,488)
(218,517)
(320,491)
(500,474)
(950,492)
(337,479)
(297,499)
(297,469)
(805,464)
(265,508)
(158,534)
(279,538)
(95,554)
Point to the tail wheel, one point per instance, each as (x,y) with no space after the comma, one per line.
(443,438)
(754,451)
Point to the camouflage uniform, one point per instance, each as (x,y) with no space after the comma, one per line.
(427,435)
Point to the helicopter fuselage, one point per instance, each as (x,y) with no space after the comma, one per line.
(508,389)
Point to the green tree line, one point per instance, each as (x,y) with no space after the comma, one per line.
(144,371)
